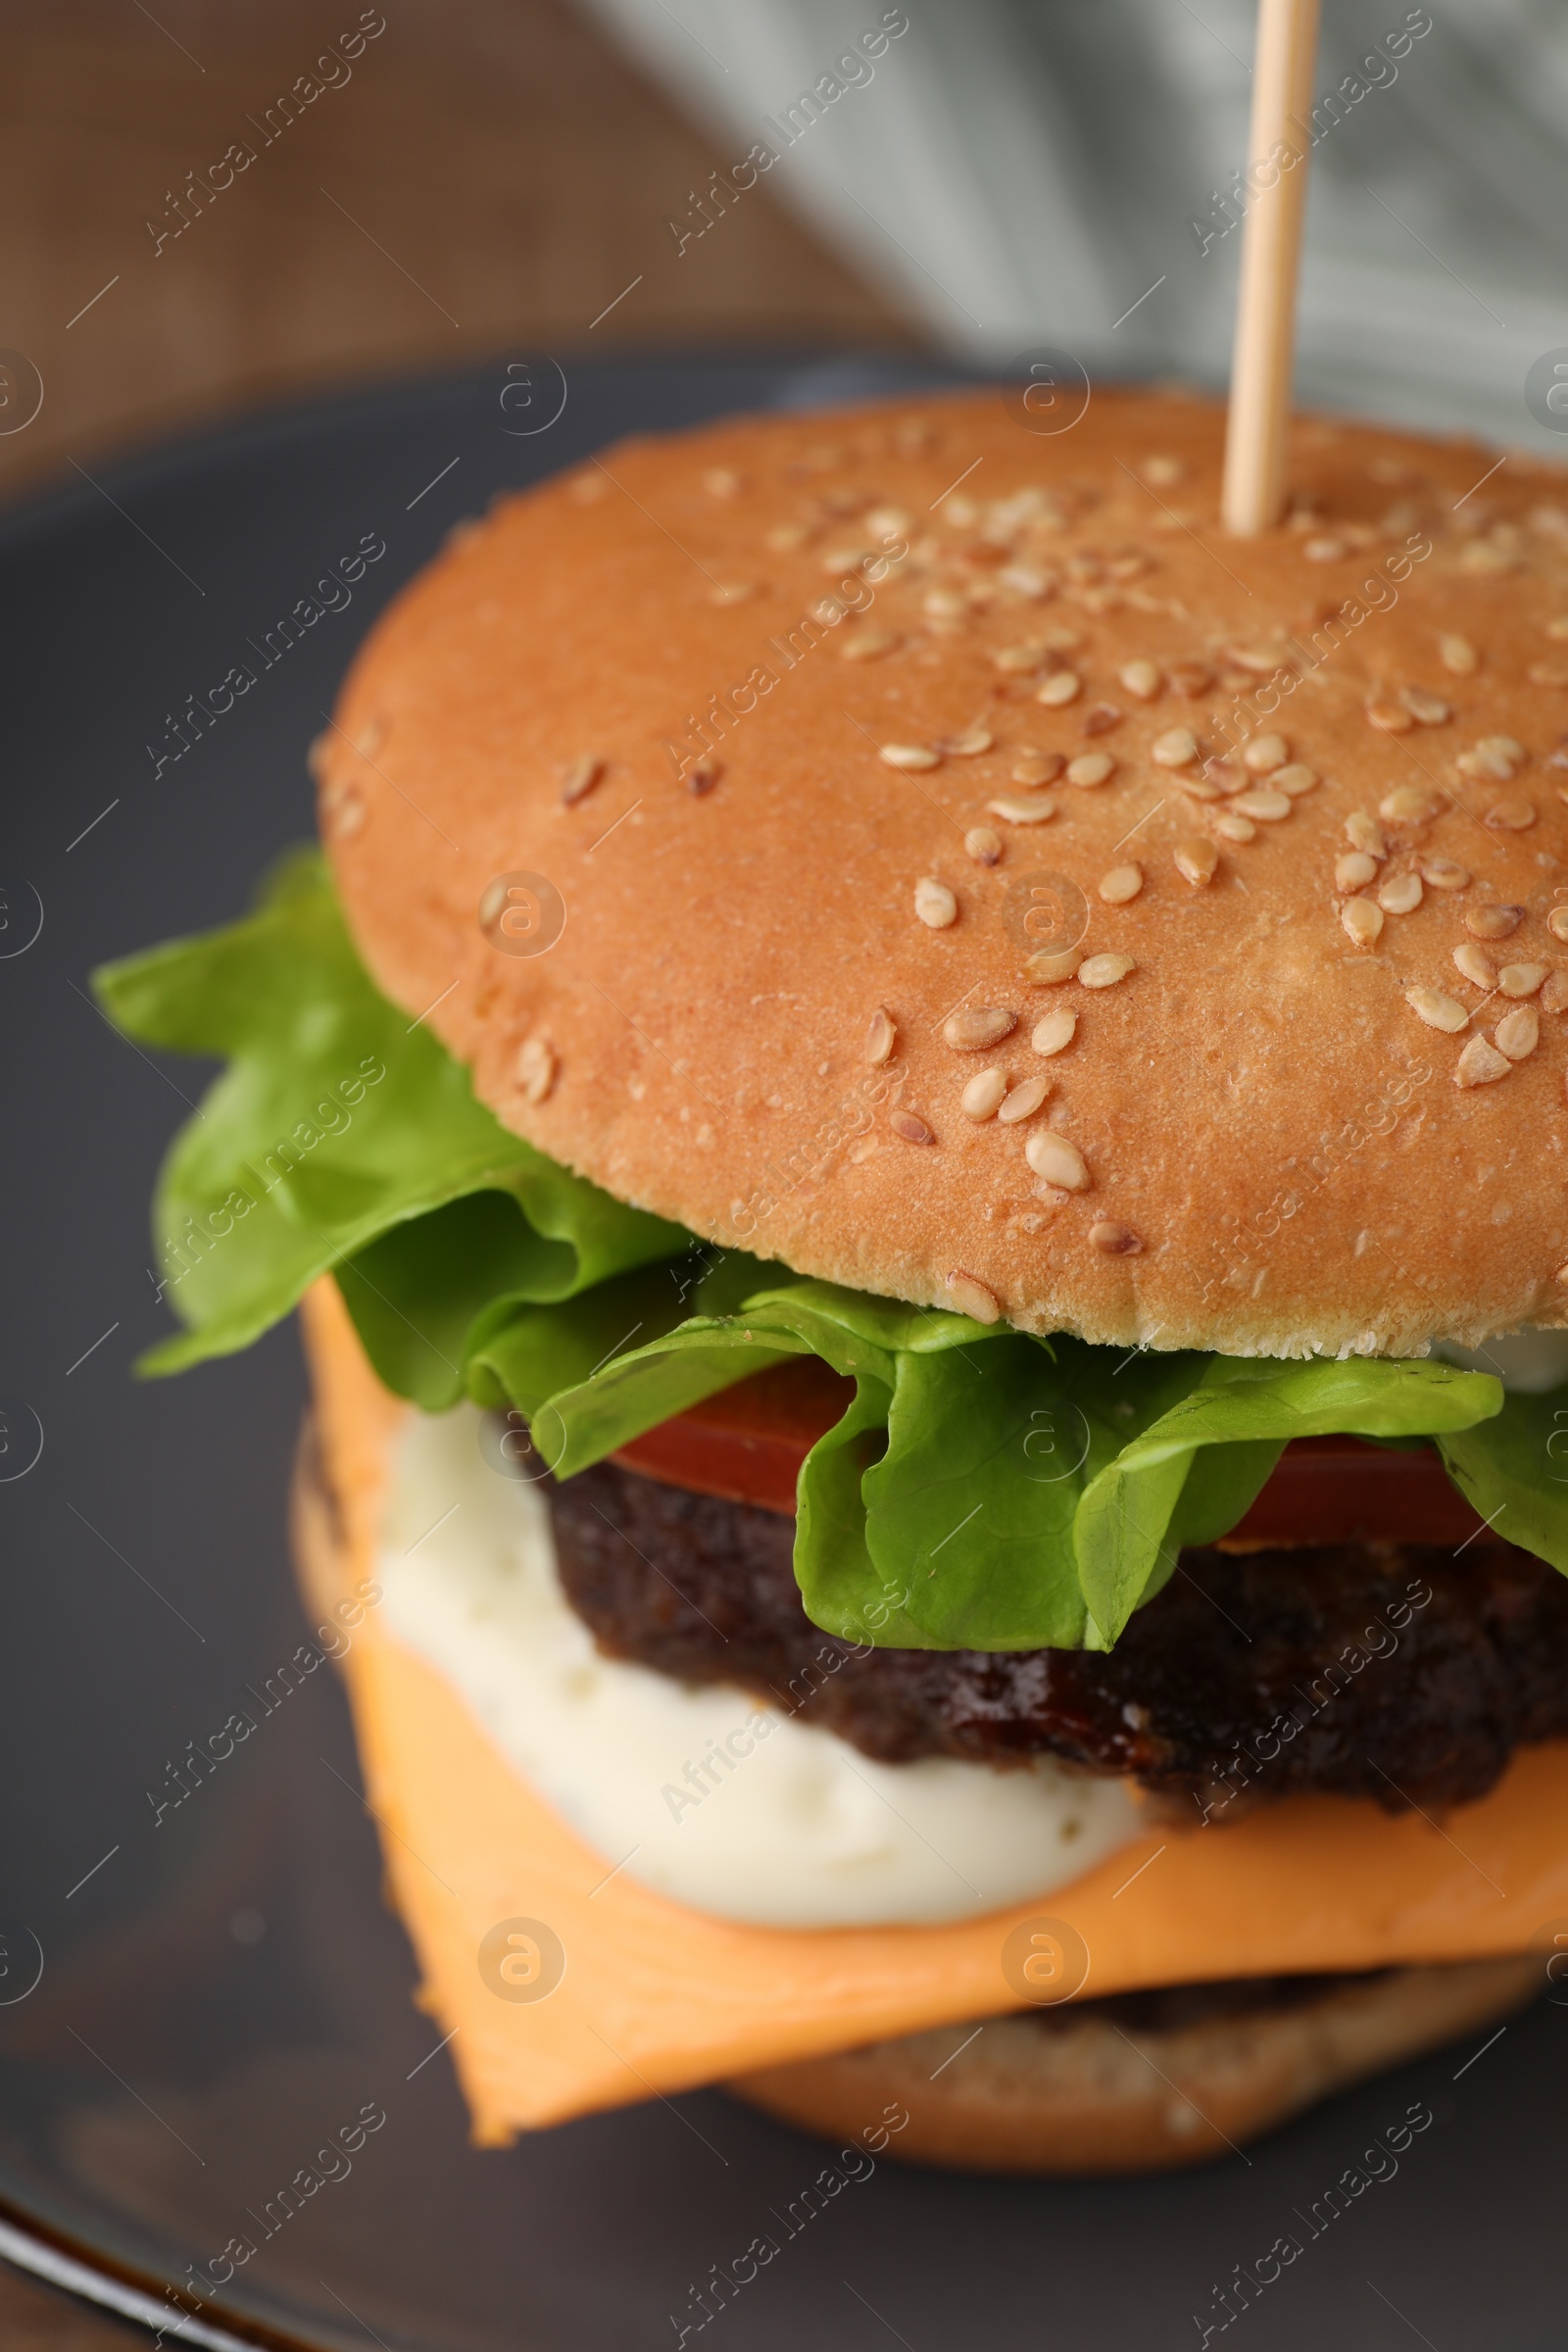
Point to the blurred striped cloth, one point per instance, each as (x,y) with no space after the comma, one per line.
(1022,172)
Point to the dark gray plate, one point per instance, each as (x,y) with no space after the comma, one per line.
(222,1988)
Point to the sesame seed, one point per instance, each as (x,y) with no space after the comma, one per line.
(1091,769)
(1018,659)
(1176,748)
(984,845)
(1481,556)
(346,809)
(1214,784)
(1408,804)
(1234,828)
(1458,655)
(1024,579)
(1353,870)
(784,537)
(1267,806)
(1400,894)
(1557,627)
(1557,922)
(701,778)
(1038,768)
(1323,550)
(1113,1240)
(1103,971)
(1521,979)
(536,1068)
(1265,753)
(1494,922)
(1058,1160)
(1190,680)
(972,1297)
(943,604)
(1478,968)
(1389,718)
(1363,832)
(880,1037)
(1427,709)
(1162,472)
(1518,1031)
(732,592)
(976,1026)
(1023,1101)
(1443,874)
(984,1094)
(1496,756)
(1553,996)
(935,904)
(1195,858)
(369,738)
(1511,816)
(580,778)
(1055,1030)
(889,522)
(1437,1011)
(1361,921)
(1062,686)
(1480,1064)
(866,645)
(1123,882)
(1049,968)
(970,743)
(1100,718)
(909,1129)
(1142,679)
(1294,778)
(1022,812)
(1260,659)
(915,757)
(720,482)
(1548,673)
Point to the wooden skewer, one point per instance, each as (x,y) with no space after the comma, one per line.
(1271,245)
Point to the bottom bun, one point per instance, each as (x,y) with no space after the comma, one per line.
(1138,2083)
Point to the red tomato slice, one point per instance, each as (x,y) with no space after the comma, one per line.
(748,1442)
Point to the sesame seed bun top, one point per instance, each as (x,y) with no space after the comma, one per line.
(985,882)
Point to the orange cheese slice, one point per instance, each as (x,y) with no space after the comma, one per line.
(656,1998)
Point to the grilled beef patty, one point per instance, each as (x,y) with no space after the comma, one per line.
(1398,1672)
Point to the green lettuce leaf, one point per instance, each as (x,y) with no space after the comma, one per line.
(1514,1472)
(986,1488)
(336,1121)
(1135,1514)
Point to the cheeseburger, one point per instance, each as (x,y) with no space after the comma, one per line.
(916,1110)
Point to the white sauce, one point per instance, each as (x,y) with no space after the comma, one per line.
(1527,1362)
(704,1793)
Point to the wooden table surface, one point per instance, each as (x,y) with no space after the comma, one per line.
(490,176)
